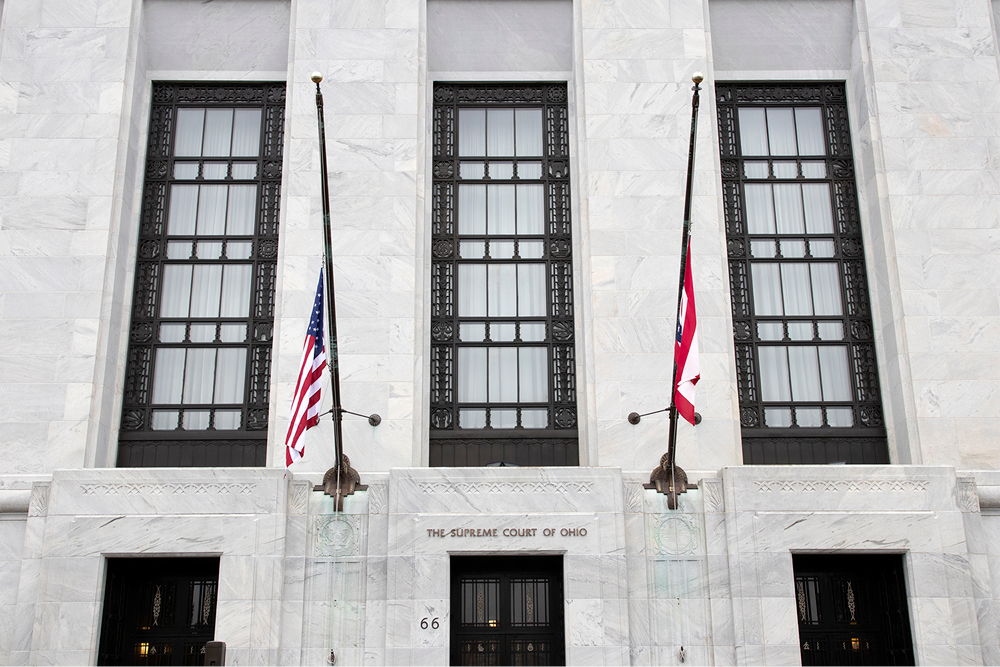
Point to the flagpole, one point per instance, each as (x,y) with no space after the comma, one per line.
(331,310)
(685,243)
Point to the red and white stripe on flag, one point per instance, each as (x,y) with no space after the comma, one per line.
(686,348)
(305,401)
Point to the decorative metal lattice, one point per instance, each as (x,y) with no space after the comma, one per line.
(786,429)
(505,429)
(221,429)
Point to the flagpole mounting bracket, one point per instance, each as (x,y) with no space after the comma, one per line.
(341,481)
(670,485)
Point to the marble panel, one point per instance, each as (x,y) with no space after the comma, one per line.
(475,490)
(144,491)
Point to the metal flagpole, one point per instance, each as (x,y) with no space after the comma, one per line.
(685,242)
(338,435)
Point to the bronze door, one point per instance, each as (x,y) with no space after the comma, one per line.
(507,610)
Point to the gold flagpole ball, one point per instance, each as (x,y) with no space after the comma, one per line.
(697,77)
(316,77)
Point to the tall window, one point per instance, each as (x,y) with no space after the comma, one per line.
(196,386)
(503,386)
(805,353)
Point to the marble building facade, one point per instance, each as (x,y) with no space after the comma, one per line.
(296,579)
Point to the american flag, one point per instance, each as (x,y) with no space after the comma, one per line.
(686,348)
(305,402)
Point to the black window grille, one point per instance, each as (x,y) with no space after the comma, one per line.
(852,610)
(158,611)
(805,349)
(503,382)
(199,359)
(507,610)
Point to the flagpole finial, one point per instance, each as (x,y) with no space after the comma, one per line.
(697,77)
(316,77)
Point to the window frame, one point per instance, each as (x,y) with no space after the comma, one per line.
(138,444)
(865,441)
(558,444)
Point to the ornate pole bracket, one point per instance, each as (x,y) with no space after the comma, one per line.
(670,481)
(341,481)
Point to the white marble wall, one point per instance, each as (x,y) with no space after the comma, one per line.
(931,84)
(633,83)
(87,516)
(368,52)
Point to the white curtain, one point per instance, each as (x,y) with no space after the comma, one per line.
(530,209)
(773,362)
(471,290)
(196,420)
(753,132)
(500,418)
(227,420)
(500,209)
(199,375)
(202,333)
(246,133)
(502,290)
(809,127)
(533,332)
(500,132)
(187,135)
(502,374)
(534,373)
(471,209)
(795,289)
(781,132)
(236,290)
(471,132)
(218,132)
(502,332)
(230,375)
(183,210)
(766,289)
(531,290)
(168,378)
(175,294)
(472,374)
(826,288)
(206,288)
(472,418)
(839,417)
(242,207)
(803,365)
(836,373)
(778,417)
(818,210)
(788,208)
(164,420)
(760,208)
(212,210)
(808,417)
(501,249)
(528,123)
(472,332)
(534,418)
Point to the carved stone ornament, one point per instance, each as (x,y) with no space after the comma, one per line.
(336,536)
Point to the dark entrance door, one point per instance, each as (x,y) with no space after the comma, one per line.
(852,610)
(507,610)
(158,611)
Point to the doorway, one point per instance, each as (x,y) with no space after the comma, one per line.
(158,611)
(852,610)
(507,610)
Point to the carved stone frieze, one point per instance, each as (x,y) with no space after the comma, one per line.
(506,487)
(843,485)
(163,489)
